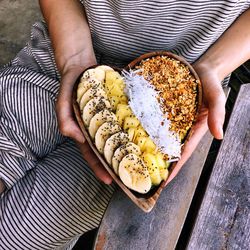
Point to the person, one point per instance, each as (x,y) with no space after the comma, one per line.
(50,188)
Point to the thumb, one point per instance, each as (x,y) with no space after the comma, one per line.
(216,100)
(67,124)
(64,110)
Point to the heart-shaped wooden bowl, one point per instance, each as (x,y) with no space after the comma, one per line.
(144,201)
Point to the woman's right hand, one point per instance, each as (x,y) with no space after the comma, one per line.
(67,124)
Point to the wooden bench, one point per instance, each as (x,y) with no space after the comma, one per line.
(224,216)
(223,220)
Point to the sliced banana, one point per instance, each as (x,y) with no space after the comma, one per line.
(84,85)
(96,73)
(112,143)
(94,106)
(129,148)
(104,67)
(134,174)
(104,132)
(100,90)
(94,91)
(98,119)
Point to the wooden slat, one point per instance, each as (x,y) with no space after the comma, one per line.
(224,216)
(125,226)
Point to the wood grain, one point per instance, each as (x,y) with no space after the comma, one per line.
(124,226)
(224,217)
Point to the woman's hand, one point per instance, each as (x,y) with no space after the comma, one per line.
(71,39)
(211,116)
(67,124)
(212,67)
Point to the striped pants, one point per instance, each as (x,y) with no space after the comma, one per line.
(52,196)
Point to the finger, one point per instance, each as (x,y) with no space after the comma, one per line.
(199,130)
(66,121)
(216,111)
(94,163)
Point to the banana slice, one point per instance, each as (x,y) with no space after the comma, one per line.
(98,119)
(129,148)
(104,67)
(112,143)
(104,132)
(94,106)
(84,85)
(96,73)
(94,91)
(134,174)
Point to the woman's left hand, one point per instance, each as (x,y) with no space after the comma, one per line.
(211,116)
(213,66)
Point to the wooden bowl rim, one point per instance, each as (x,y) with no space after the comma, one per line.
(144,201)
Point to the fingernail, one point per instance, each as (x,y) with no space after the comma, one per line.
(221,133)
(105,180)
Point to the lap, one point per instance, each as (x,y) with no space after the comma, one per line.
(52,196)
(57,200)
(28,124)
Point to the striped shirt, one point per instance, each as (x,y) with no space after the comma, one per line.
(53,197)
(122,30)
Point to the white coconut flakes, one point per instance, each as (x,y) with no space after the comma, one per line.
(143,100)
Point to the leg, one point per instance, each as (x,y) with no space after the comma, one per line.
(57,200)
(28,125)
(52,196)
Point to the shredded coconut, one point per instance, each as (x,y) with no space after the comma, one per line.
(144,104)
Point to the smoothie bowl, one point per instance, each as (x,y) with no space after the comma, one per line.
(138,119)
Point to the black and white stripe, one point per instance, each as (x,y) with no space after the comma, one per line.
(52,195)
(123,30)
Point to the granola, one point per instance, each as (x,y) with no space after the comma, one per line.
(177,89)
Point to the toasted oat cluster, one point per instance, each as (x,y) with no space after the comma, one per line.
(177,89)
